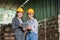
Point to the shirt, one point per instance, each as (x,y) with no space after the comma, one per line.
(15,26)
(33,24)
(20,21)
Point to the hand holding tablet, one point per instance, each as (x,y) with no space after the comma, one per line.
(24,26)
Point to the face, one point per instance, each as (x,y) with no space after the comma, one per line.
(30,15)
(20,14)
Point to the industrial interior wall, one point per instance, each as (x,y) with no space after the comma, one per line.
(58,6)
(43,8)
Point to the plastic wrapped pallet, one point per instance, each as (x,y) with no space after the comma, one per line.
(59,25)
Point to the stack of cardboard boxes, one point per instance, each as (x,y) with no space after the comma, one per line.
(48,29)
(8,34)
(41,31)
(52,29)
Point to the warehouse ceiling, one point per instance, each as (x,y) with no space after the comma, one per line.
(11,4)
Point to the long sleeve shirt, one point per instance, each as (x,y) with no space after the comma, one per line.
(34,25)
(15,26)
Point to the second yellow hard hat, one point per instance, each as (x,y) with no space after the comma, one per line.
(30,11)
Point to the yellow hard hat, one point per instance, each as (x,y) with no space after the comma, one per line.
(20,10)
(30,11)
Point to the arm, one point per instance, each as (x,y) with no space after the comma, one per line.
(34,26)
(17,23)
(28,27)
(14,24)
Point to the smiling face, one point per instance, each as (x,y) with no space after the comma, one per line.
(30,15)
(20,14)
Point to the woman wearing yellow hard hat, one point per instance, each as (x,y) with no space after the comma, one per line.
(16,24)
(33,26)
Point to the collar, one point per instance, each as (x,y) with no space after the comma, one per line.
(18,18)
(31,19)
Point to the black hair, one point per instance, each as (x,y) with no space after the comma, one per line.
(16,14)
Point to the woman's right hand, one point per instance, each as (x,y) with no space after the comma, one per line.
(29,28)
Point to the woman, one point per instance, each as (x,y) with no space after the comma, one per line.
(33,26)
(16,25)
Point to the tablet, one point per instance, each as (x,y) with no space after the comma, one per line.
(24,24)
